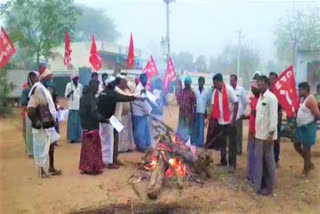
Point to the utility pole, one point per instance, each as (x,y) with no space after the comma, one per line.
(167,2)
(239,48)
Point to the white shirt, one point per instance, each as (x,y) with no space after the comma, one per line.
(304,115)
(203,100)
(242,100)
(267,116)
(232,100)
(74,99)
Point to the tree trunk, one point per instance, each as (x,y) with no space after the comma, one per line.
(156,179)
(38,58)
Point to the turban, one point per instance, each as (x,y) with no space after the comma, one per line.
(187,80)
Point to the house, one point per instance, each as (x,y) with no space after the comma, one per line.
(112,55)
(308,66)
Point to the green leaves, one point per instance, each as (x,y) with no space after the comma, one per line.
(38,25)
(300,31)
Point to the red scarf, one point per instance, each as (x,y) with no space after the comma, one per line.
(225,105)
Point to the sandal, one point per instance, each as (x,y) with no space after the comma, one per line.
(55,172)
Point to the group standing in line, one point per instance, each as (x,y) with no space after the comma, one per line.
(221,108)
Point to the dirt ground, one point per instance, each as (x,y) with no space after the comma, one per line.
(22,192)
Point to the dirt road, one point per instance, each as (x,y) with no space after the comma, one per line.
(22,192)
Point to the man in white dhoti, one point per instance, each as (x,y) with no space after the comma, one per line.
(106,106)
(125,140)
(42,113)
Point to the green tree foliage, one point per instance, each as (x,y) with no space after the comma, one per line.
(4,92)
(299,31)
(94,22)
(38,26)
(226,62)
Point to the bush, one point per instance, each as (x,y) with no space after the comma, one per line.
(5,107)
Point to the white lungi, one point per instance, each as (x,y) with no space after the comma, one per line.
(106,135)
(42,140)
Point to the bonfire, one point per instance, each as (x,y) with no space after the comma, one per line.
(174,160)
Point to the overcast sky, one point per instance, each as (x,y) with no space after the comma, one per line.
(199,26)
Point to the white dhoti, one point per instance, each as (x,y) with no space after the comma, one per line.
(106,135)
(42,139)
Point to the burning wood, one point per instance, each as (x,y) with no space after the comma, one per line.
(172,159)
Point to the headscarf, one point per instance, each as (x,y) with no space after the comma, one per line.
(187,80)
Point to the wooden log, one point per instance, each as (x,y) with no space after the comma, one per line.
(156,180)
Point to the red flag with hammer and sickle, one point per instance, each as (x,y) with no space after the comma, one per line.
(286,91)
(7,49)
(169,76)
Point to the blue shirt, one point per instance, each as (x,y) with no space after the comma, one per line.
(203,100)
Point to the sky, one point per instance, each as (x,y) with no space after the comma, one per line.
(203,27)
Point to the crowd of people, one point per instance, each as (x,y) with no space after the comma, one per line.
(220,109)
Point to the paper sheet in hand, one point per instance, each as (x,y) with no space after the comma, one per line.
(63,115)
(116,123)
(151,96)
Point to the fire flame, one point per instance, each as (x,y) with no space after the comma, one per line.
(153,161)
(179,167)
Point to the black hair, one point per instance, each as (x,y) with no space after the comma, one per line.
(94,74)
(118,80)
(92,82)
(104,74)
(218,77)
(273,74)
(264,78)
(234,76)
(256,76)
(31,74)
(202,79)
(304,86)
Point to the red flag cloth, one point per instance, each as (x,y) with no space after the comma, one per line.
(150,70)
(286,91)
(216,111)
(169,76)
(7,49)
(130,58)
(95,59)
(67,50)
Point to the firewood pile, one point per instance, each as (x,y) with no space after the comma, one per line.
(173,160)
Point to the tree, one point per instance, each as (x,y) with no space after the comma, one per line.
(184,60)
(94,21)
(299,31)
(201,64)
(226,62)
(38,26)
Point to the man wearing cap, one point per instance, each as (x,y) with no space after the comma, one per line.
(73,93)
(42,113)
(107,101)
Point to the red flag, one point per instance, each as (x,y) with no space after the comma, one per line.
(95,59)
(150,70)
(7,49)
(67,50)
(130,58)
(169,76)
(285,90)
